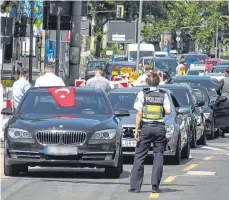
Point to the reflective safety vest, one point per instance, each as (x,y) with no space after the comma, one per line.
(153,105)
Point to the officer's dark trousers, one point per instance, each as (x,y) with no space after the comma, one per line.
(150,133)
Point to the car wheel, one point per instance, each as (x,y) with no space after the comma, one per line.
(177,157)
(186,151)
(12,170)
(115,172)
(212,135)
(193,143)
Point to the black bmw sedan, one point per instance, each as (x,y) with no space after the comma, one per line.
(73,127)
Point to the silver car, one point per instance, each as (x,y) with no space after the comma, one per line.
(176,124)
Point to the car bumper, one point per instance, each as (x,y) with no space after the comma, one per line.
(88,156)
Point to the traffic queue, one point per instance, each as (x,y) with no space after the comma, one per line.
(116,112)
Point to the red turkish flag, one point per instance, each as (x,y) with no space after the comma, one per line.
(65,97)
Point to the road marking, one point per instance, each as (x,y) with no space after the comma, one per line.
(190,167)
(212,148)
(154,195)
(169,179)
(200,173)
(208,158)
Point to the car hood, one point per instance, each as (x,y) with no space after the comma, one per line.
(130,120)
(62,122)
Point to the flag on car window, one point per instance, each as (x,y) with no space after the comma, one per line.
(65,97)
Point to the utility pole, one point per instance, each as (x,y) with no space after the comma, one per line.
(31,43)
(58,39)
(216,39)
(75,43)
(139,33)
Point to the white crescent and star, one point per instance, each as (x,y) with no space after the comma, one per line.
(62,89)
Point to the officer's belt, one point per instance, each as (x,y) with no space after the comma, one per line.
(145,121)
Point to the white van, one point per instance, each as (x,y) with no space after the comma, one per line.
(145,51)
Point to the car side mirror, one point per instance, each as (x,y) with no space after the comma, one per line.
(182,110)
(122,113)
(200,103)
(7,111)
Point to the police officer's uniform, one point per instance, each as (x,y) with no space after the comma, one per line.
(152,103)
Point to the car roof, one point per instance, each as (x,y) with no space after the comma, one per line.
(221,66)
(166,58)
(122,62)
(79,89)
(127,90)
(192,77)
(97,60)
(174,86)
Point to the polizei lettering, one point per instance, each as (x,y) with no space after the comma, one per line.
(154,99)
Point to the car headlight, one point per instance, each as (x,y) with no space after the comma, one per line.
(169,130)
(104,134)
(207,115)
(199,120)
(19,133)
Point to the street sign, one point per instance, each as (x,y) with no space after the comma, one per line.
(118,37)
(178,39)
(178,33)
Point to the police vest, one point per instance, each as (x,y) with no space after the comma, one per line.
(153,105)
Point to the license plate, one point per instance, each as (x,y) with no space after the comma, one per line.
(60,151)
(129,143)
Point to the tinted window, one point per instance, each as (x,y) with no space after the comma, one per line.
(147,61)
(133,54)
(117,59)
(42,103)
(94,64)
(181,96)
(203,83)
(122,100)
(163,64)
(219,70)
(201,95)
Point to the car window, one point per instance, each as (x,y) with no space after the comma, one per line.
(201,95)
(94,64)
(219,70)
(175,102)
(203,83)
(122,100)
(182,97)
(43,103)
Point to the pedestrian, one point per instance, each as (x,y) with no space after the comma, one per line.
(223,86)
(141,80)
(151,105)
(99,81)
(49,79)
(20,86)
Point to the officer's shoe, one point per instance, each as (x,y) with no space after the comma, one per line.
(155,189)
(133,191)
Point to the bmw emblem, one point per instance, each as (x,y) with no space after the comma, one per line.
(61,126)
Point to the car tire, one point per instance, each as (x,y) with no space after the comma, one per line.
(12,170)
(186,151)
(193,143)
(177,157)
(115,172)
(212,135)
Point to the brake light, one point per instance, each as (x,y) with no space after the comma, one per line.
(8,104)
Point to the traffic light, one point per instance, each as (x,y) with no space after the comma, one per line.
(120,11)
(84,10)
(16,29)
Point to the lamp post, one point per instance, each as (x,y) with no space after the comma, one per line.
(139,33)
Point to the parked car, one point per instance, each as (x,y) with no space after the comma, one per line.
(91,67)
(43,131)
(176,124)
(186,98)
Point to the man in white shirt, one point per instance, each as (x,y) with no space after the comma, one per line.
(20,87)
(49,79)
(141,81)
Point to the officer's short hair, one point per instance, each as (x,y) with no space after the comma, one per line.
(153,79)
(24,71)
(49,66)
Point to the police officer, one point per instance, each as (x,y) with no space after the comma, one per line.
(223,87)
(151,105)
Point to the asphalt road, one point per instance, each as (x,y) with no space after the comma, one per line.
(205,176)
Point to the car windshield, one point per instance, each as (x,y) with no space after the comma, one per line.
(119,59)
(94,64)
(201,95)
(147,61)
(219,70)
(122,100)
(214,63)
(43,104)
(196,72)
(204,83)
(164,64)
(133,54)
(181,96)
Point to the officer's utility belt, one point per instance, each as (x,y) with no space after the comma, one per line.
(153,122)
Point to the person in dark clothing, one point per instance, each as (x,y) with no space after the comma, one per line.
(223,87)
(151,105)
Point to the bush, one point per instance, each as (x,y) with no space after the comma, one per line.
(112,47)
